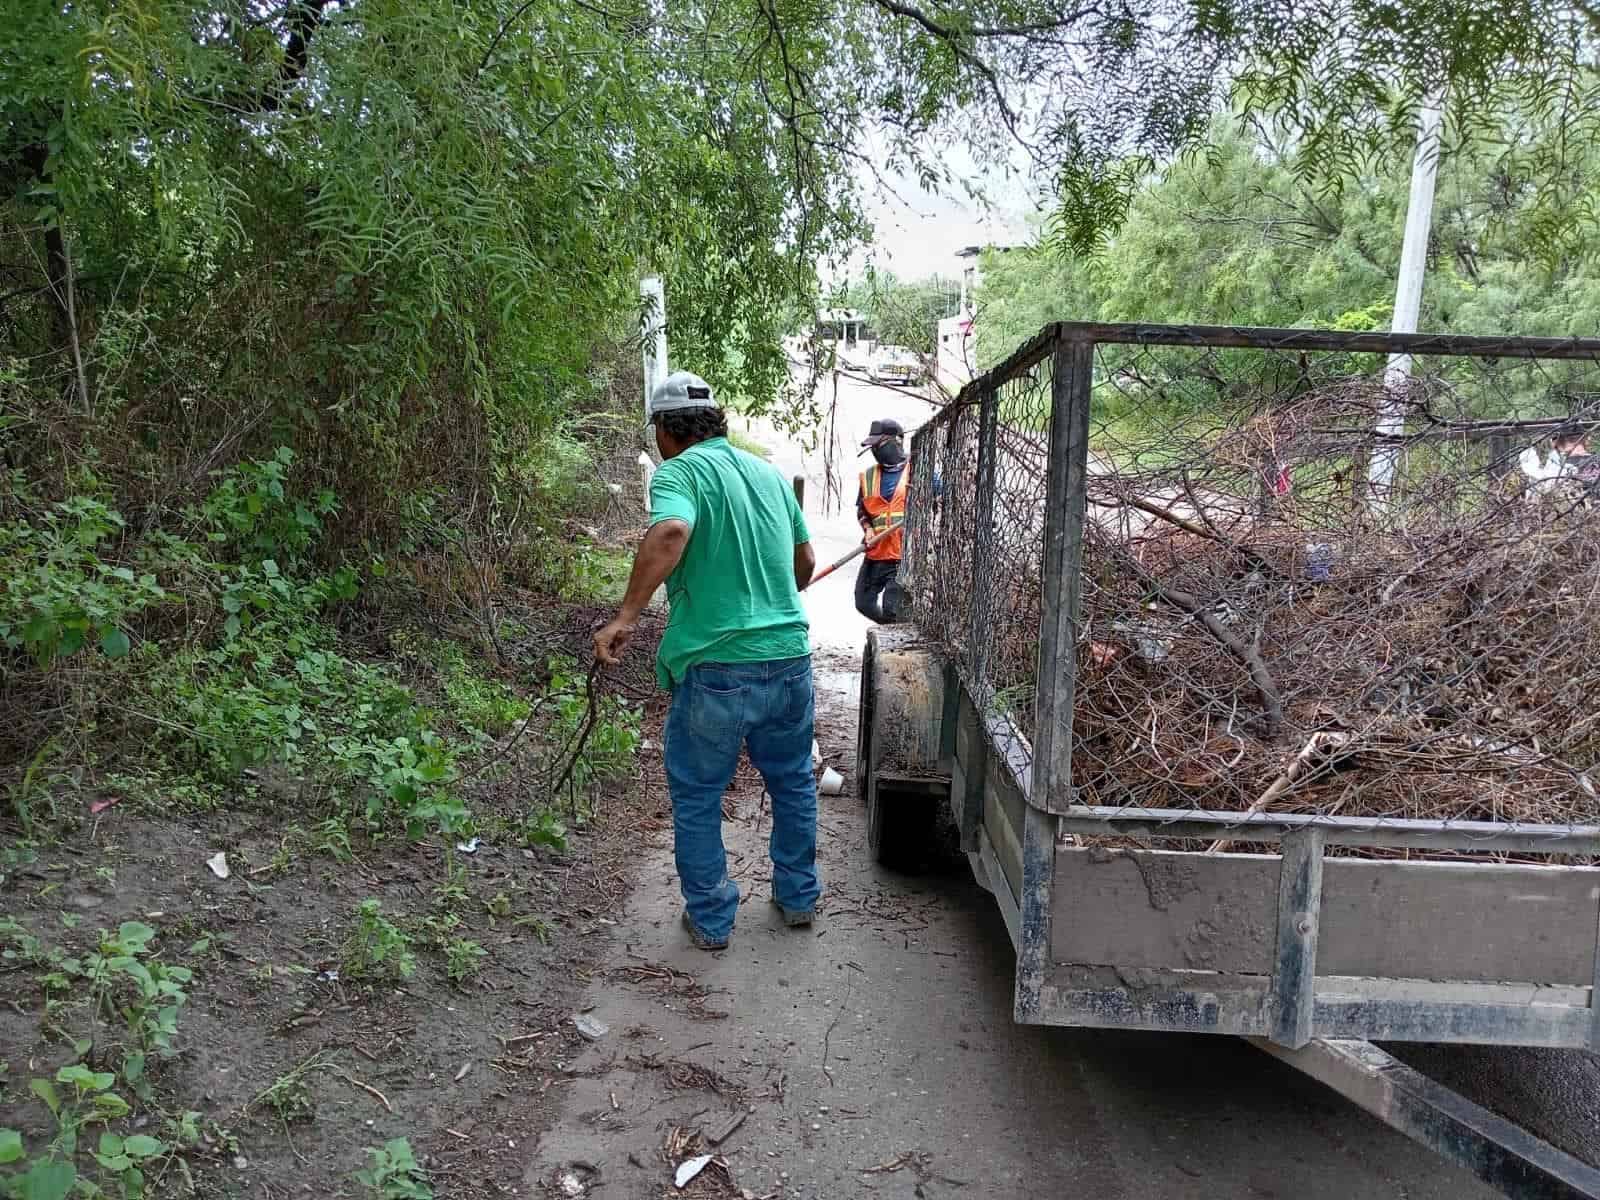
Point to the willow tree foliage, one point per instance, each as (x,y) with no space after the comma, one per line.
(1237,237)
(393,233)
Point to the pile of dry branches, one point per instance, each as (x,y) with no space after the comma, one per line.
(1268,633)
(1263,629)
(1452,679)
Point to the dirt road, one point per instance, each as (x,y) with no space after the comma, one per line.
(875,1055)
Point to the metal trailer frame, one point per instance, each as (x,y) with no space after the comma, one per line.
(1291,956)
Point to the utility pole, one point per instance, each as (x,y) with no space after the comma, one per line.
(1408,287)
(653,338)
(653,328)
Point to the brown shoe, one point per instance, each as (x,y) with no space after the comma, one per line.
(703,941)
(795,918)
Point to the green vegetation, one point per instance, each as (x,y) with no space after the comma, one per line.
(377,949)
(484,706)
(289,1096)
(462,958)
(612,741)
(1236,237)
(747,443)
(904,313)
(395,1173)
(117,1007)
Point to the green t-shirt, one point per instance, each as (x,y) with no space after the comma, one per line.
(732,593)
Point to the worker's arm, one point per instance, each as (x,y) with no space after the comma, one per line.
(805,565)
(657,555)
(863,518)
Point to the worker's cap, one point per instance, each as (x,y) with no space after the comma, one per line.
(881,432)
(678,392)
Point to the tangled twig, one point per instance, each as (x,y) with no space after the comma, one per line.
(574,751)
(1423,648)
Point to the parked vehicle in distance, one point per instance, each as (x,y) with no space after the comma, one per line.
(856,356)
(896,364)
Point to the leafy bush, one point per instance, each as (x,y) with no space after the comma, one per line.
(377,948)
(395,1173)
(251,512)
(120,976)
(462,959)
(60,593)
(483,705)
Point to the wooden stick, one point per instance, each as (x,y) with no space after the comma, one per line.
(861,549)
(1248,655)
(1324,740)
(369,1089)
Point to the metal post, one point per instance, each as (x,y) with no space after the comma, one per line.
(983,534)
(1594,997)
(1408,287)
(979,615)
(1065,498)
(1051,778)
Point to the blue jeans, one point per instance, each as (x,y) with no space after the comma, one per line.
(716,709)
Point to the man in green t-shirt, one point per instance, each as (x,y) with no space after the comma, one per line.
(727,538)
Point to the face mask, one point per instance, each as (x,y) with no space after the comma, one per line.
(889,454)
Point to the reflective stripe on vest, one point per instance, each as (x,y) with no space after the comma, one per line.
(885,514)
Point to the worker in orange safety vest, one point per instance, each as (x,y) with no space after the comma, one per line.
(880,506)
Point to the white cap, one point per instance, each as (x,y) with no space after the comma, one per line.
(679,391)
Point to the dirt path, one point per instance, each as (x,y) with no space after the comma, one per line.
(875,1055)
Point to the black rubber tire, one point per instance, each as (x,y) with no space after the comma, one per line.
(913,833)
(908,830)
(864,714)
(891,828)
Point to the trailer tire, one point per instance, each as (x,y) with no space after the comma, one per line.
(864,712)
(909,825)
(893,828)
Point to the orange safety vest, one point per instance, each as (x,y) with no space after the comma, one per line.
(885,514)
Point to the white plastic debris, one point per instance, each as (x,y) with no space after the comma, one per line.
(218,863)
(816,754)
(571,1185)
(470,846)
(591,1027)
(689,1168)
(832,783)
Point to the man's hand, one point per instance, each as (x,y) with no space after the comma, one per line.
(612,640)
(658,555)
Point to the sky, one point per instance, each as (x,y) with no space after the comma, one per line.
(918,233)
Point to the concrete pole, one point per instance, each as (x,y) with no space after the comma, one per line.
(653,305)
(653,337)
(1408,287)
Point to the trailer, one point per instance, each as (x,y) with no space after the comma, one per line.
(1147,878)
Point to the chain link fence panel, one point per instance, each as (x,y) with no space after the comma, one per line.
(1310,583)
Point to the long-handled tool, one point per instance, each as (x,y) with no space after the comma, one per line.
(861,549)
